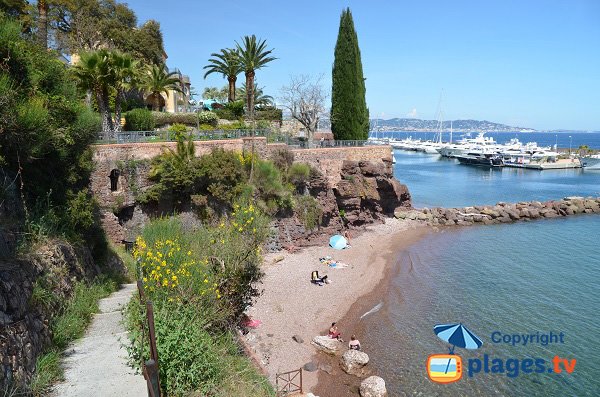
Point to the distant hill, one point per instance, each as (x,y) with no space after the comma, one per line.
(432,125)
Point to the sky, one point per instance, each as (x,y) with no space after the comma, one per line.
(526,63)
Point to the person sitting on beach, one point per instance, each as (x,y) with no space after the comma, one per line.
(334,333)
(347,237)
(354,344)
(315,279)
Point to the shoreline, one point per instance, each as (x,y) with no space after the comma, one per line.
(290,305)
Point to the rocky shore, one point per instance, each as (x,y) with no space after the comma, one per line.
(502,212)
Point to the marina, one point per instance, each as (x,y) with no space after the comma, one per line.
(485,151)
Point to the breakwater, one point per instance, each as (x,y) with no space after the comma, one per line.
(503,212)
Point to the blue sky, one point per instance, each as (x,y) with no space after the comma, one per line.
(528,63)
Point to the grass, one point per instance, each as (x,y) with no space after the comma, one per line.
(69,325)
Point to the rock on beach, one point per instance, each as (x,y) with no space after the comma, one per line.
(373,386)
(353,362)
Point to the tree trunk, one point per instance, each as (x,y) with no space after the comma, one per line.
(231,94)
(43,23)
(118,102)
(250,95)
(156,106)
(107,124)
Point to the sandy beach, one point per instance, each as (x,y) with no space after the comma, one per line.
(291,305)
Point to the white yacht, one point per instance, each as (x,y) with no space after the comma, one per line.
(591,162)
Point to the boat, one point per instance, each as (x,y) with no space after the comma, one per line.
(481,159)
(591,162)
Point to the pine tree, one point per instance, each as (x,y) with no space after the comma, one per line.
(349,112)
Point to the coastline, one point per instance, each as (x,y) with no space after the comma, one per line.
(290,305)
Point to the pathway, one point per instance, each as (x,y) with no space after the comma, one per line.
(96,364)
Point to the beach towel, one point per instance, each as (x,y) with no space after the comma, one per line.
(251,323)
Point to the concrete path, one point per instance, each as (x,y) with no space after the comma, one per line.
(96,365)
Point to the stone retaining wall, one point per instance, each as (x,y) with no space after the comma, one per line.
(504,212)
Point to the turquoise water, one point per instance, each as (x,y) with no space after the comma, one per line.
(523,278)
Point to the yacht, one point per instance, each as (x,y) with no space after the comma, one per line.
(481,158)
(591,162)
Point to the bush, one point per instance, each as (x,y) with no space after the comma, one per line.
(299,175)
(308,210)
(270,113)
(283,159)
(162,119)
(269,184)
(236,108)
(179,128)
(139,120)
(208,118)
(221,175)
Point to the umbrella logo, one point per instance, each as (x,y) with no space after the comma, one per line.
(447,368)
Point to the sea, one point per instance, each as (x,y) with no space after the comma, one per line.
(538,278)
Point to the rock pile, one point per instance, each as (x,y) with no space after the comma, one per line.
(503,212)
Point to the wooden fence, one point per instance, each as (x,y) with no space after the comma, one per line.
(288,382)
(150,366)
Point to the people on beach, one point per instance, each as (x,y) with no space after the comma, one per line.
(347,237)
(315,279)
(354,344)
(334,333)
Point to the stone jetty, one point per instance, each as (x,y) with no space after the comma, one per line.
(503,212)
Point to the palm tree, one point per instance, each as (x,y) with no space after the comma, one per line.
(215,93)
(260,98)
(123,70)
(42,6)
(156,81)
(93,73)
(253,56)
(228,64)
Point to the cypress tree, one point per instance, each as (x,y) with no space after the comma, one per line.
(349,112)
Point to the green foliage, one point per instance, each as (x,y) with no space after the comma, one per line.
(45,133)
(200,280)
(283,159)
(208,117)
(231,111)
(162,119)
(270,188)
(268,113)
(155,81)
(349,112)
(221,175)
(48,370)
(308,210)
(139,120)
(178,128)
(226,63)
(299,174)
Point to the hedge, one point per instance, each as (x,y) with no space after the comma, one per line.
(139,120)
(162,118)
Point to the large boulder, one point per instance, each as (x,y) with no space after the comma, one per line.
(353,362)
(327,344)
(373,386)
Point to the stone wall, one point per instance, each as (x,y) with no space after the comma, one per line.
(504,212)
(24,327)
(133,164)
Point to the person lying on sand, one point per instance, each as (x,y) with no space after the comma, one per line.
(334,333)
(354,344)
(347,237)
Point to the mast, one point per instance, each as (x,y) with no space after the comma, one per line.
(450,131)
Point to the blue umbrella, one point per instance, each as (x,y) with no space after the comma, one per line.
(457,335)
(338,242)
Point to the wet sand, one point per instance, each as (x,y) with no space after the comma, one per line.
(290,305)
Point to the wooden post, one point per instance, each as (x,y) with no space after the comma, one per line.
(301,380)
(152,336)
(152,378)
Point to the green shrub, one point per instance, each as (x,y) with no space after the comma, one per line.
(270,188)
(139,120)
(236,108)
(299,175)
(208,117)
(283,159)
(221,175)
(178,127)
(272,114)
(162,119)
(308,210)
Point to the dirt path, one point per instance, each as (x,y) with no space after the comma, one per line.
(96,364)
